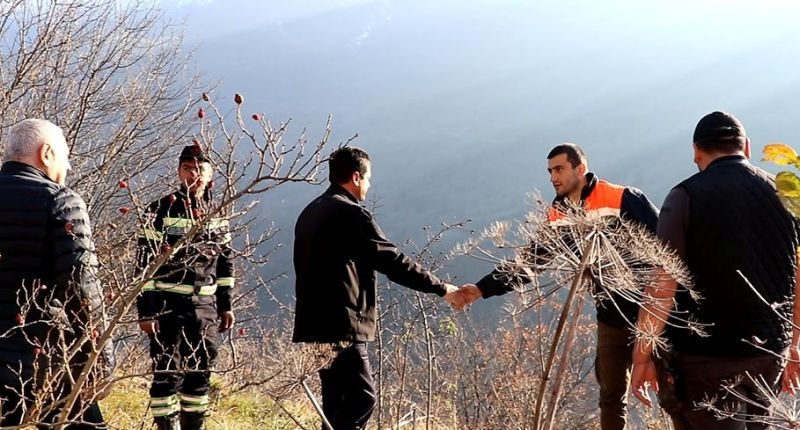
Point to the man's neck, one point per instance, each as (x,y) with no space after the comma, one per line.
(575,195)
(710,158)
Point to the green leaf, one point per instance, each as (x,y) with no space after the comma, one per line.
(788,184)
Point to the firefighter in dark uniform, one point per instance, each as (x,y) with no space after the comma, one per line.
(188,301)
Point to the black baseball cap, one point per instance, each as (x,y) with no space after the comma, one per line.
(194,152)
(718,126)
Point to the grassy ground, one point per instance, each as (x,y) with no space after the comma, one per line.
(126,408)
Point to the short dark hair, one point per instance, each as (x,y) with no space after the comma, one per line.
(344,162)
(575,154)
(720,132)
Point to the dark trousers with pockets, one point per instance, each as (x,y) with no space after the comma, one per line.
(183,351)
(613,371)
(348,391)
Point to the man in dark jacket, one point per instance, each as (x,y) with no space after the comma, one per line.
(571,180)
(337,249)
(739,243)
(50,298)
(188,301)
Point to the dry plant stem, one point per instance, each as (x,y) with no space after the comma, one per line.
(566,353)
(316,404)
(379,351)
(576,282)
(429,355)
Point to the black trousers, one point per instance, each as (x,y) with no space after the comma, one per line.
(348,391)
(183,351)
(613,371)
(702,377)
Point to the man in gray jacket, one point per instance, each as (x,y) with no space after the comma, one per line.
(50,297)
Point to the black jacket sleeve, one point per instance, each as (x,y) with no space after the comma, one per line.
(149,302)
(225,275)
(637,207)
(75,268)
(505,279)
(387,259)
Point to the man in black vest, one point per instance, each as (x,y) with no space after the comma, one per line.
(338,246)
(739,243)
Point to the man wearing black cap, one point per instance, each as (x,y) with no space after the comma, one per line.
(188,301)
(739,243)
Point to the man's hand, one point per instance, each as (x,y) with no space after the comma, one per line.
(149,326)
(791,374)
(644,376)
(226,321)
(460,297)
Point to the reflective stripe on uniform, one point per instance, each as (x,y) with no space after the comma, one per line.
(212,224)
(217,223)
(177,222)
(205,290)
(194,400)
(226,282)
(149,286)
(164,406)
(187,408)
(151,234)
(194,403)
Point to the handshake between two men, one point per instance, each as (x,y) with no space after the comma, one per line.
(460,297)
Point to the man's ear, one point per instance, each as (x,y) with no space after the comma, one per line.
(46,154)
(582,169)
(696,154)
(356,178)
(747,148)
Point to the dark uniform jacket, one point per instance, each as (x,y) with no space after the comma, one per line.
(337,249)
(607,200)
(201,269)
(47,271)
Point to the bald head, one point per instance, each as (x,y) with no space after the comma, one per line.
(41,144)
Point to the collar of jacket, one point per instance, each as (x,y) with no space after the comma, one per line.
(591,183)
(336,189)
(15,167)
(727,160)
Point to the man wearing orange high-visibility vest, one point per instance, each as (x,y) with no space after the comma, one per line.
(571,180)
